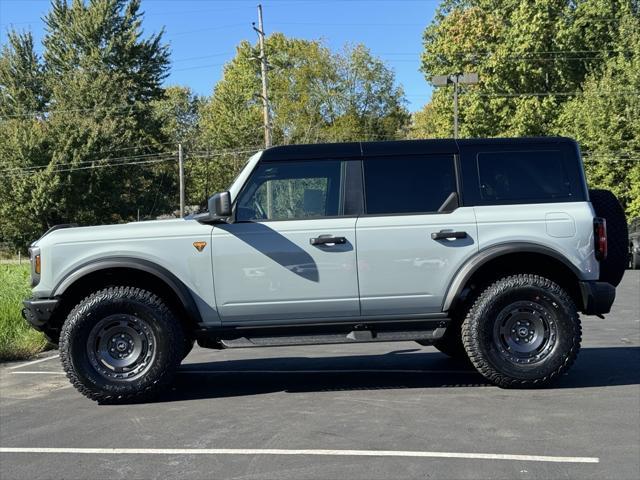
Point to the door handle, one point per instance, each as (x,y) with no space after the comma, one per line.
(446,235)
(328,240)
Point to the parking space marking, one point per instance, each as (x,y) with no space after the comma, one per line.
(28,372)
(381,370)
(278,451)
(33,362)
(209,372)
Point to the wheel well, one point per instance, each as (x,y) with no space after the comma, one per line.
(519,263)
(121,276)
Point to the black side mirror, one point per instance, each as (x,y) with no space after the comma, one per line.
(220,205)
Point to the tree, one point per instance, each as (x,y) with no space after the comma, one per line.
(178,113)
(368,104)
(25,183)
(91,99)
(531,57)
(315,95)
(605,119)
(555,67)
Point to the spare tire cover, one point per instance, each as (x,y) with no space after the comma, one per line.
(606,205)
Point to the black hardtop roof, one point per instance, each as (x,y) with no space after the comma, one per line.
(395,147)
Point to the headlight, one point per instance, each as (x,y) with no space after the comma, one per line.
(36,265)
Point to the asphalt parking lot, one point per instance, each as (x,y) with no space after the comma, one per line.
(364,411)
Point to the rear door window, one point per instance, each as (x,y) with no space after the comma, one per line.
(409,184)
(523,176)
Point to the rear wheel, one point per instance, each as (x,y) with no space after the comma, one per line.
(121,344)
(522,331)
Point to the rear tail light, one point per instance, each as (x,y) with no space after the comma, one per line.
(600,238)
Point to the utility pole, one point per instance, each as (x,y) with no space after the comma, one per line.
(181,167)
(455,110)
(265,102)
(456,79)
(265,82)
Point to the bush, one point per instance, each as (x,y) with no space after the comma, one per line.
(17,340)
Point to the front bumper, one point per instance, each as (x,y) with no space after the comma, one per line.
(38,312)
(597,297)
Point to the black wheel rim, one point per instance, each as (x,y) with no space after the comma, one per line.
(525,332)
(121,347)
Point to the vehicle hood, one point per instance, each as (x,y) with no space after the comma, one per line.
(123,231)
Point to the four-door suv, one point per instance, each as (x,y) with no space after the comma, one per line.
(486,249)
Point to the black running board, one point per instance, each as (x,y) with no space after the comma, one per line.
(355,336)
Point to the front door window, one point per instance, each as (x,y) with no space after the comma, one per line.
(292,191)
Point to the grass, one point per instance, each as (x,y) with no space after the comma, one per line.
(18,341)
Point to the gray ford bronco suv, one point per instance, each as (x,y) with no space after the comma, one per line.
(487,249)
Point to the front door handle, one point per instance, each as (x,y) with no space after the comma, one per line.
(328,240)
(447,235)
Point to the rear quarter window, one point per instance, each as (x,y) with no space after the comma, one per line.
(523,176)
(512,173)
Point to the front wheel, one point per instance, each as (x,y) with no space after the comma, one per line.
(522,331)
(121,344)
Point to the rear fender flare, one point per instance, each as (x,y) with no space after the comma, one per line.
(484,256)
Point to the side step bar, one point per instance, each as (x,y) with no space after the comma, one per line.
(355,336)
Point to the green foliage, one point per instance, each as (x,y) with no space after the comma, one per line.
(315,95)
(17,339)
(606,120)
(97,81)
(545,67)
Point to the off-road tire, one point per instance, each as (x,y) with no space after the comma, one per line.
(135,303)
(606,205)
(549,303)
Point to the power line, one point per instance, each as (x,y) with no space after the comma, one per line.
(91,167)
(197,67)
(206,29)
(135,160)
(555,94)
(72,110)
(512,59)
(406,94)
(132,157)
(202,56)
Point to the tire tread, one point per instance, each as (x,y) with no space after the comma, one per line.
(144,297)
(470,334)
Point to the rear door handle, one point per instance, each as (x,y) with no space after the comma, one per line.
(328,240)
(447,235)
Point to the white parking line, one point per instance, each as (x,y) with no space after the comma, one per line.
(28,372)
(33,362)
(224,372)
(332,371)
(278,451)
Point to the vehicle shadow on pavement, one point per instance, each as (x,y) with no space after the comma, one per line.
(603,367)
(595,367)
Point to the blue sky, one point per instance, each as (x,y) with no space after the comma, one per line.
(203,33)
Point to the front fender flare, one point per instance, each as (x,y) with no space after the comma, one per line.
(173,282)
